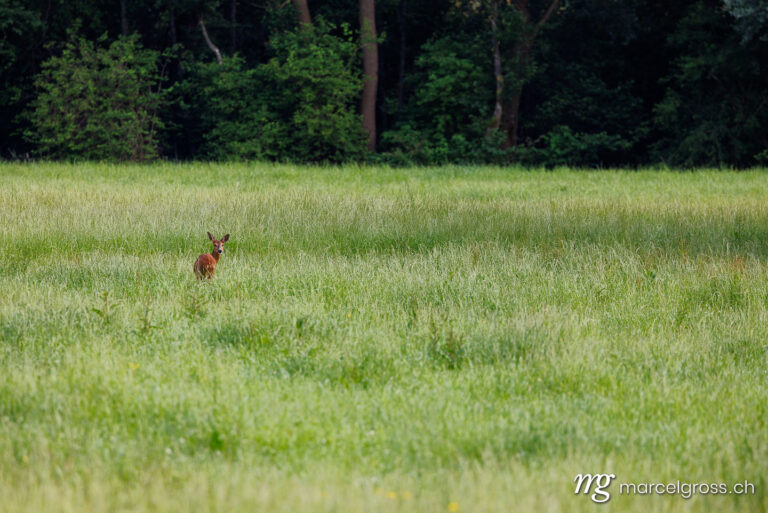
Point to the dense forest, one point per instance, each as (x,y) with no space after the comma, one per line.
(533,82)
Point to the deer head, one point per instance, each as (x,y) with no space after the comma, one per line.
(218,245)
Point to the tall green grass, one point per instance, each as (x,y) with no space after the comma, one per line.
(378,339)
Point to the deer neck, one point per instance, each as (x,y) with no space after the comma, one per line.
(215,256)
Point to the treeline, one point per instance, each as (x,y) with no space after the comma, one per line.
(539,82)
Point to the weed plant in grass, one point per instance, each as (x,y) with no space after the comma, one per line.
(447,339)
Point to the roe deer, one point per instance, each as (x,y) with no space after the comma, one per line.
(205,265)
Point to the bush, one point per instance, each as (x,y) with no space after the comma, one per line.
(562,146)
(299,106)
(98,103)
(447,116)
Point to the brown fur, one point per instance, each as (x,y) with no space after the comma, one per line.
(205,265)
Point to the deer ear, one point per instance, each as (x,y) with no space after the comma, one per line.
(209,235)
(226,238)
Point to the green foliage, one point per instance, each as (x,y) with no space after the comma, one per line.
(605,83)
(19,26)
(449,96)
(572,125)
(98,103)
(298,106)
(714,110)
(561,146)
(226,101)
(587,110)
(447,116)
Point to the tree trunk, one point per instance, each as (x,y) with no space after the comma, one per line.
(232,26)
(303,10)
(401,62)
(370,69)
(381,93)
(213,47)
(497,71)
(124,16)
(510,117)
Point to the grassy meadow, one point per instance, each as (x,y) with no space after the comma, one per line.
(378,340)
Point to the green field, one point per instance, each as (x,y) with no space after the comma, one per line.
(426,340)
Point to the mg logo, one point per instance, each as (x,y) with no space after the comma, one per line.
(601,482)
